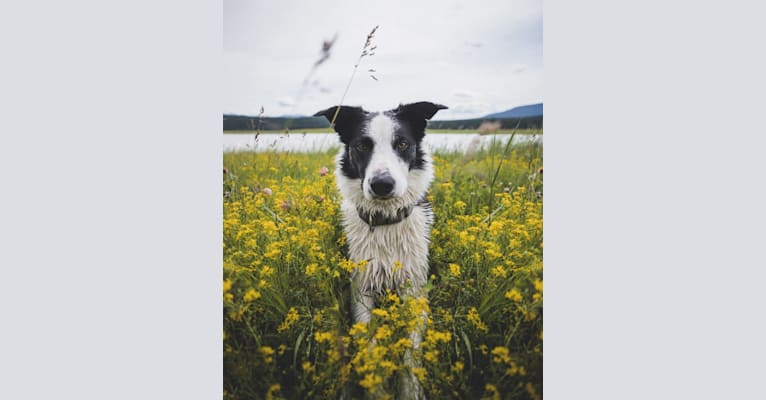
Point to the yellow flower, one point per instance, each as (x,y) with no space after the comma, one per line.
(237,313)
(457,367)
(499,272)
(538,285)
(272,389)
(501,354)
(290,319)
(251,295)
(495,228)
(306,366)
(397,265)
(513,295)
(267,353)
(446,316)
(272,253)
(226,285)
(347,265)
(269,228)
(310,269)
(459,205)
(388,367)
(402,345)
(333,355)
(474,318)
(493,391)
(323,337)
(392,297)
(436,336)
(383,332)
(492,253)
(359,327)
(454,269)
(420,373)
(362,264)
(431,356)
(370,381)
(380,312)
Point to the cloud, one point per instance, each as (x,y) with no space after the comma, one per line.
(488,62)
(285,101)
(467,110)
(462,94)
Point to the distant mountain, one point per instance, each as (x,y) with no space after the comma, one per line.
(524,117)
(532,110)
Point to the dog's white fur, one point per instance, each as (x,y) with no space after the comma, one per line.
(405,241)
(384,160)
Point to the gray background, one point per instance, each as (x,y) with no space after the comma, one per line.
(110,218)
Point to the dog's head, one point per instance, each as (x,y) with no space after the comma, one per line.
(384,151)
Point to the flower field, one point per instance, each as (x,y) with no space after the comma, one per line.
(287,328)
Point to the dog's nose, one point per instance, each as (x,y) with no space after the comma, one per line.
(382,185)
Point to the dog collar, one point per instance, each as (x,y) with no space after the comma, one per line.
(378,219)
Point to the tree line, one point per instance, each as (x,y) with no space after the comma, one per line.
(248,123)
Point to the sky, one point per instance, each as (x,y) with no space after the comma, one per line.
(474,57)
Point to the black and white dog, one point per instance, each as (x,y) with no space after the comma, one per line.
(383,174)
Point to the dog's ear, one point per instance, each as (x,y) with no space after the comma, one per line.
(421,110)
(416,114)
(348,121)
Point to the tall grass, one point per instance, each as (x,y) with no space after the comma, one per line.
(368,50)
(287,328)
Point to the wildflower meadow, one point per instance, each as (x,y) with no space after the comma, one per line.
(287,327)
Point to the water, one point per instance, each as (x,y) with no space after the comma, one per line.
(309,142)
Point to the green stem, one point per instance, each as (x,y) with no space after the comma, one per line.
(497,171)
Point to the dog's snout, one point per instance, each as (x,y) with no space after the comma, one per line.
(382,185)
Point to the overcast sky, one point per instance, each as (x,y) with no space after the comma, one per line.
(474,57)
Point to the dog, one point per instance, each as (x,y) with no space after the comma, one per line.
(383,174)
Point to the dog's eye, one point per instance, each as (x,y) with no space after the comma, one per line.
(362,146)
(402,145)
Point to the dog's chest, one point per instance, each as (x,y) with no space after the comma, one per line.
(395,253)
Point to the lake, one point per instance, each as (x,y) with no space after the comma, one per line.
(309,142)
